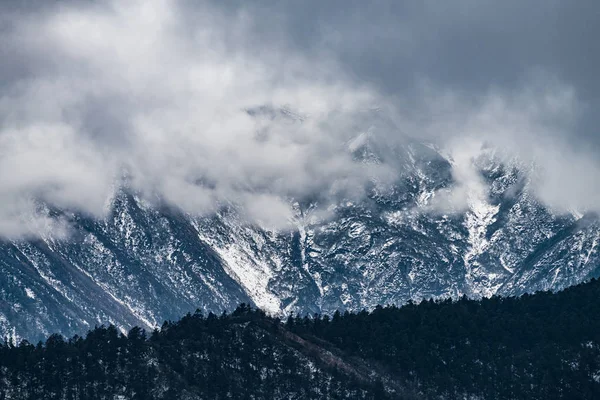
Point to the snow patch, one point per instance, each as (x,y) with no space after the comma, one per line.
(29,293)
(477,220)
(252,275)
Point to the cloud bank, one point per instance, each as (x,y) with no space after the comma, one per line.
(206,104)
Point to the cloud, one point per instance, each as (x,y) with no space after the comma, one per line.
(209,103)
(530,128)
(182,105)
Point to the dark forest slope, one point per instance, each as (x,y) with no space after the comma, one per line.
(537,346)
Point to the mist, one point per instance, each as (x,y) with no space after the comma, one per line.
(203,105)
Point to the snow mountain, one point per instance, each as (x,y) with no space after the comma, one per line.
(147,262)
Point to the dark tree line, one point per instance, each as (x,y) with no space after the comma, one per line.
(242,355)
(540,346)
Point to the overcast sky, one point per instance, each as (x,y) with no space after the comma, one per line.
(161,89)
(464,45)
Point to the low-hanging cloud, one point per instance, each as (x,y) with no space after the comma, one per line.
(195,104)
(185,109)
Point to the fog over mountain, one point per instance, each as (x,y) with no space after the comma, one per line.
(188,101)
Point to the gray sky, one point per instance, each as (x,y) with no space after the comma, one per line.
(466,45)
(162,88)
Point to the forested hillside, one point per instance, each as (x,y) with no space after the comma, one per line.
(541,346)
(537,346)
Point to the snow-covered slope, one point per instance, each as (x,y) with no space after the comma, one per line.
(146,262)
